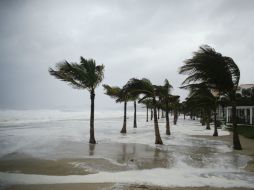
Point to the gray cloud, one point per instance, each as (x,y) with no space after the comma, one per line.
(131,38)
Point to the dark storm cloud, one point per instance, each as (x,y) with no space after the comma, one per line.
(131,38)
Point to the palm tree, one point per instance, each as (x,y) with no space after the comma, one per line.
(164,93)
(86,75)
(120,96)
(134,98)
(219,73)
(175,105)
(148,104)
(145,87)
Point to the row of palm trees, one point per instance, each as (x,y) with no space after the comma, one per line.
(210,76)
(87,75)
(153,96)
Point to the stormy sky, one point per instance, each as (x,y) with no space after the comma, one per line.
(132,38)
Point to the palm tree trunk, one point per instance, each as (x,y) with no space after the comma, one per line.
(208,118)
(156,125)
(236,140)
(215,134)
(146,113)
(167,121)
(158,113)
(135,115)
(124,118)
(175,116)
(92,139)
(202,119)
(162,113)
(151,114)
(223,115)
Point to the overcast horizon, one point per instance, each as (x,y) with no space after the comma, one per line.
(142,39)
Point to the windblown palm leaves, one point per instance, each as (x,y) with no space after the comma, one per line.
(218,73)
(86,75)
(210,67)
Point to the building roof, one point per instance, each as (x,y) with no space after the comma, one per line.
(246,86)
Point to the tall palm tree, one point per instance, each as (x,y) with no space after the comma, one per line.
(145,87)
(164,93)
(86,75)
(219,73)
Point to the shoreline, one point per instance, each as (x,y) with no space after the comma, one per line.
(66,169)
(112,186)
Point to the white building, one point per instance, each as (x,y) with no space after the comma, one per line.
(245,114)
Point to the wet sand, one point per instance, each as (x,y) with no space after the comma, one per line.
(247,145)
(141,157)
(82,161)
(109,186)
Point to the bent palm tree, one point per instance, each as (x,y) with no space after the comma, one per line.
(219,73)
(86,75)
(145,87)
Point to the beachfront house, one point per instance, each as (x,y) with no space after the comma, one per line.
(244,109)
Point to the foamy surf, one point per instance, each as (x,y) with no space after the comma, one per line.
(193,161)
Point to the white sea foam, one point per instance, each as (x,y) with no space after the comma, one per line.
(161,177)
(21,117)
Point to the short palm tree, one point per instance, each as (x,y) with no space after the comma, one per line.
(120,96)
(86,75)
(175,105)
(146,88)
(219,73)
(148,104)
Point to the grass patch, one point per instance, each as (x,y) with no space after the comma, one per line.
(246,131)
